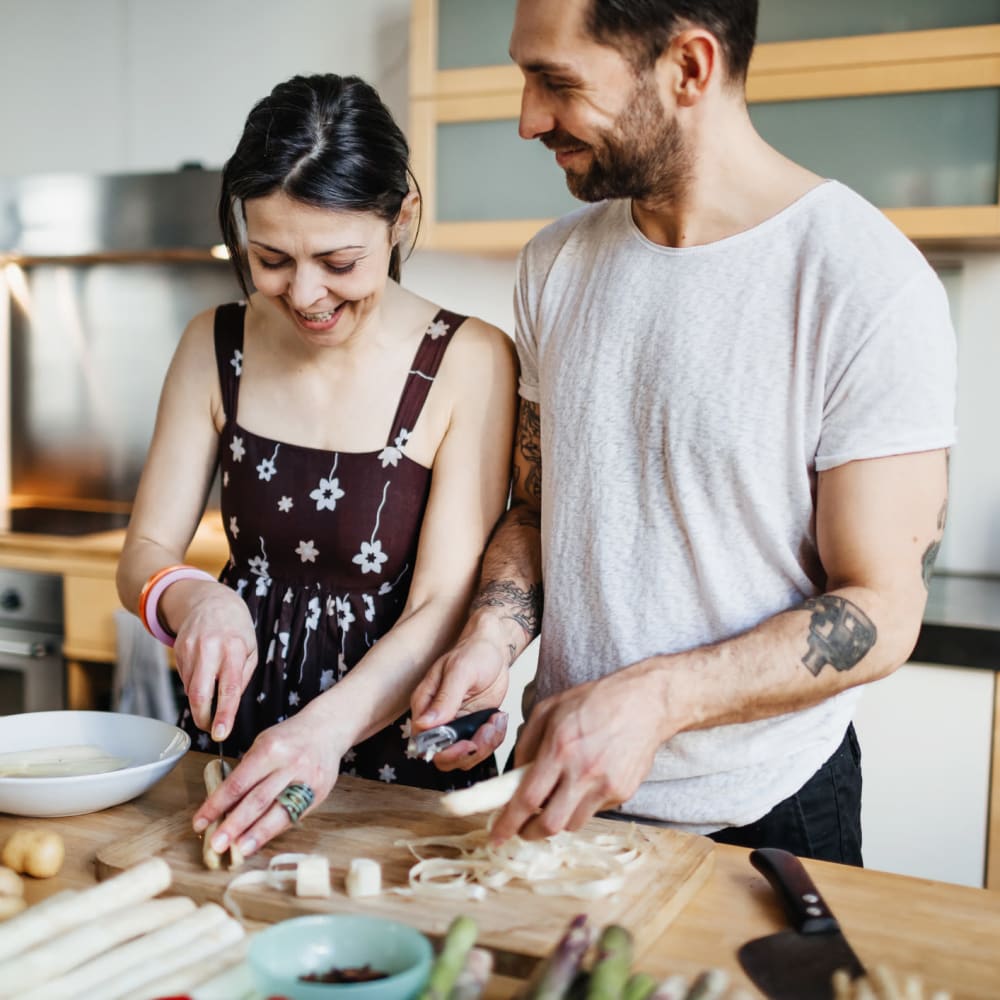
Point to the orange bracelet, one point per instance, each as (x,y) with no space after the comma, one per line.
(153,590)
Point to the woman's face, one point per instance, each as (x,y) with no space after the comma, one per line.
(325,270)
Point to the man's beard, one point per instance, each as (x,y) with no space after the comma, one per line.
(642,156)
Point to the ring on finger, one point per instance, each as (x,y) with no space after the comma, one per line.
(295,799)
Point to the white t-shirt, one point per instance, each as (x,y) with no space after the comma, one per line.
(688,398)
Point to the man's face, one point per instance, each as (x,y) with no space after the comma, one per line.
(608,127)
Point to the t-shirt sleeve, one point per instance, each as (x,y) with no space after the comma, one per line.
(525,333)
(892,391)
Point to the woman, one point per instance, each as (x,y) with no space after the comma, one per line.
(363,437)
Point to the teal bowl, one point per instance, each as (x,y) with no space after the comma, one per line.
(288,950)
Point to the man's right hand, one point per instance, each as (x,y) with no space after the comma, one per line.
(471,676)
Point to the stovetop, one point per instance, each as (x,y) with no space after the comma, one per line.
(60,521)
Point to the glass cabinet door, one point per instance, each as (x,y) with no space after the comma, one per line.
(797,20)
(898,150)
(487,172)
(474,33)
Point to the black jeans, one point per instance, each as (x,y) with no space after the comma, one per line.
(821,820)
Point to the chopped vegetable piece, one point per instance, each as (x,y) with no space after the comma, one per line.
(364,878)
(312,876)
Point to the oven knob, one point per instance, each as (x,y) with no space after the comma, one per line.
(10,600)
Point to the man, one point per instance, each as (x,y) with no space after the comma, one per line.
(737,393)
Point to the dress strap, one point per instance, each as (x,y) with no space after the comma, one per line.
(425,366)
(229,353)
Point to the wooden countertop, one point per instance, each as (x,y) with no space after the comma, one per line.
(97,554)
(948,934)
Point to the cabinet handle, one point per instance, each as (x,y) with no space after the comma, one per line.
(33,650)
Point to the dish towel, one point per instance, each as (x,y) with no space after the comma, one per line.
(141,684)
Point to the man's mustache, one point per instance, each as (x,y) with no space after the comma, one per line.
(557,141)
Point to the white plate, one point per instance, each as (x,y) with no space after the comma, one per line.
(151,747)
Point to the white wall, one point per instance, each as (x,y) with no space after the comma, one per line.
(128,85)
(132,85)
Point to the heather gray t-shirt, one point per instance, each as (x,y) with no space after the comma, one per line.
(688,398)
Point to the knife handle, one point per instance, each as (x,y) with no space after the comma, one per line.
(806,909)
(465,725)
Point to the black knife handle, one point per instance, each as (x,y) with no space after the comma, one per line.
(465,725)
(806,909)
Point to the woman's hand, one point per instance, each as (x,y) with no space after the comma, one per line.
(305,749)
(216,649)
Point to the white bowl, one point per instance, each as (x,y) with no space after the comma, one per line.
(152,748)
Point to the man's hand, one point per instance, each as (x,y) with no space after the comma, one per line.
(470,676)
(591,748)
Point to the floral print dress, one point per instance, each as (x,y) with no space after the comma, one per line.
(322,548)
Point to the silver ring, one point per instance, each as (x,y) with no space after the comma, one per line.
(295,799)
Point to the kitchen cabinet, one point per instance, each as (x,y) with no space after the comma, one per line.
(87,564)
(902,104)
(926,735)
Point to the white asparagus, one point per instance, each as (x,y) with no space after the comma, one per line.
(484,796)
(41,922)
(312,876)
(134,982)
(884,982)
(364,878)
(66,951)
(215,773)
(13,759)
(101,972)
(672,988)
(213,778)
(65,769)
(197,974)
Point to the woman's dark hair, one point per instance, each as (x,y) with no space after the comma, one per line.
(647,26)
(324,140)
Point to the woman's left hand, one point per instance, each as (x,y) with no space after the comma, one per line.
(303,749)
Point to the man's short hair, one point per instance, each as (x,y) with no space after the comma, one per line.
(647,26)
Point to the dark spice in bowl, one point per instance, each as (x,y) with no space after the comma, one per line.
(355,974)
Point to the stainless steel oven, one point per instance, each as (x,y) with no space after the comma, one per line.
(32,669)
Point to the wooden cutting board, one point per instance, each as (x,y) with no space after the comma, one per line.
(366,819)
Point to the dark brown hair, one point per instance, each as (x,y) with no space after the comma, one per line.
(647,26)
(325,140)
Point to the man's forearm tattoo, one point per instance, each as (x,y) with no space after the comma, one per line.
(840,633)
(522,606)
(529,445)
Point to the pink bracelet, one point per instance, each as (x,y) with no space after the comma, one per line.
(151,618)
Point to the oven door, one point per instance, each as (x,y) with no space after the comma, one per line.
(32,671)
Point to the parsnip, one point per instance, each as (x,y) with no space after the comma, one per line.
(96,976)
(66,951)
(484,796)
(43,921)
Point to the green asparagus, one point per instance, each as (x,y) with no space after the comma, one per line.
(458,941)
(640,986)
(553,975)
(611,967)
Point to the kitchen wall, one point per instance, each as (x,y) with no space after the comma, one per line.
(128,85)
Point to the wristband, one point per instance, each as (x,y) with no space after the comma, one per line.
(155,586)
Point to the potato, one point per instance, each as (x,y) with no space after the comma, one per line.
(39,853)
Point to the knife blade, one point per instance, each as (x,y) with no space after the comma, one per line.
(432,741)
(797,964)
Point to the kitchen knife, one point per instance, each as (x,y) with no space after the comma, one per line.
(797,964)
(432,741)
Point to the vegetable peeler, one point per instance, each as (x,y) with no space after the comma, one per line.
(432,741)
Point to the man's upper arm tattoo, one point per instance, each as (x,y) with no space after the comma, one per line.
(529,446)
(931,552)
(521,606)
(840,633)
